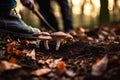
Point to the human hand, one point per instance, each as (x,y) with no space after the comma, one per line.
(29,4)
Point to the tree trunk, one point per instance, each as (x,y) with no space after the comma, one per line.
(104,12)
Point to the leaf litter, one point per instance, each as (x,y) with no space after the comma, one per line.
(94,56)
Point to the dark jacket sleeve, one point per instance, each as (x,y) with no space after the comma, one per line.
(7,4)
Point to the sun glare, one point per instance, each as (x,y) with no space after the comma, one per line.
(76,8)
(89,9)
(118,3)
(76,2)
(110,4)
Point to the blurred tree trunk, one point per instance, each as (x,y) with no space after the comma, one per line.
(82,13)
(116,11)
(104,12)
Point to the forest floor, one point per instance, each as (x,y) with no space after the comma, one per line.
(73,61)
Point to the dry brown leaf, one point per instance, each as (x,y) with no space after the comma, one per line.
(17,52)
(41,61)
(25,51)
(13,50)
(70,73)
(13,60)
(49,61)
(53,63)
(79,29)
(81,36)
(97,60)
(10,48)
(100,66)
(4,65)
(11,43)
(32,54)
(40,72)
(33,42)
(25,42)
(60,66)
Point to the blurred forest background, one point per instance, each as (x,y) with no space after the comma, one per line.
(85,12)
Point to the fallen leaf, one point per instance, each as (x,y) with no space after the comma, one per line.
(49,61)
(81,36)
(10,48)
(13,60)
(17,52)
(101,36)
(41,61)
(100,66)
(32,42)
(97,60)
(4,65)
(25,51)
(25,42)
(40,72)
(53,64)
(60,66)
(11,43)
(32,54)
(70,73)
